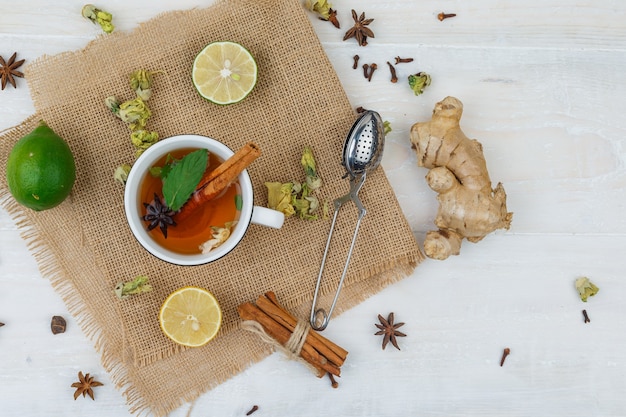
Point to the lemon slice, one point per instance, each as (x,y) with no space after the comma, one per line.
(224,72)
(190,316)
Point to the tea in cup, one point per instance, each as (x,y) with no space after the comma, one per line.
(201,235)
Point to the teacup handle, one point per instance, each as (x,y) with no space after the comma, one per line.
(267,217)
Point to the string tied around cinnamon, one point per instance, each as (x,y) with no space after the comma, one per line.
(292,348)
(280,329)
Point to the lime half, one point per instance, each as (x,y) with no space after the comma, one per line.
(224,72)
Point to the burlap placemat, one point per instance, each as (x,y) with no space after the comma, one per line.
(85,247)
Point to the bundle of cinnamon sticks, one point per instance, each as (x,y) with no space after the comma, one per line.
(322,354)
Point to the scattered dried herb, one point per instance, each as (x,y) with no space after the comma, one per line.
(121,173)
(392,69)
(321,7)
(298,198)
(58,325)
(505,353)
(252,410)
(389,329)
(386,127)
(141,83)
(442,16)
(218,236)
(359,31)
(104,19)
(1,324)
(158,214)
(8,70)
(135,113)
(418,82)
(586,288)
(138,285)
(586,316)
(85,385)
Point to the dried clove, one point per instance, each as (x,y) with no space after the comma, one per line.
(58,325)
(365,70)
(1,324)
(252,410)
(356,62)
(360,110)
(586,317)
(373,68)
(442,16)
(333,381)
(403,60)
(505,353)
(394,78)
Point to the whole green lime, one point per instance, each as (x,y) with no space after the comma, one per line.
(40,169)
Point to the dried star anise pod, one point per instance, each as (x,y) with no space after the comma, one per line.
(8,70)
(85,385)
(332,18)
(389,329)
(158,214)
(359,31)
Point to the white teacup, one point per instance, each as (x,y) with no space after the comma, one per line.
(250,214)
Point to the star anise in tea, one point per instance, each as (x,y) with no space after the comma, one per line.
(389,330)
(359,31)
(8,70)
(85,385)
(158,214)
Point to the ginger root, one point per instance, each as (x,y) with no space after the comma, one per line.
(468,206)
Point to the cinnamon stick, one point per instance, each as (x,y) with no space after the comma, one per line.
(269,305)
(249,311)
(215,181)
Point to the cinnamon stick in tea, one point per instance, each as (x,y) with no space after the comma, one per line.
(215,181)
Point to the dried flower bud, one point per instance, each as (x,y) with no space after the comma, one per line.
(98,16)
(302,207)
(138,285)
(321,7)
(134,112)
(220,234)
(586,288)
(113,104)
(121,173)
(141,83)
(142,140)
(58,325)
(279,197)
(418,82)
(313,182)
(386,127)
(314,204)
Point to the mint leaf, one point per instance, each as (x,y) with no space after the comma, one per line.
(183,178)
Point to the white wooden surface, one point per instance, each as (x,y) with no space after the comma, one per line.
(543,86)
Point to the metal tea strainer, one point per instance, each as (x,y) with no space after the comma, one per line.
(362,153)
